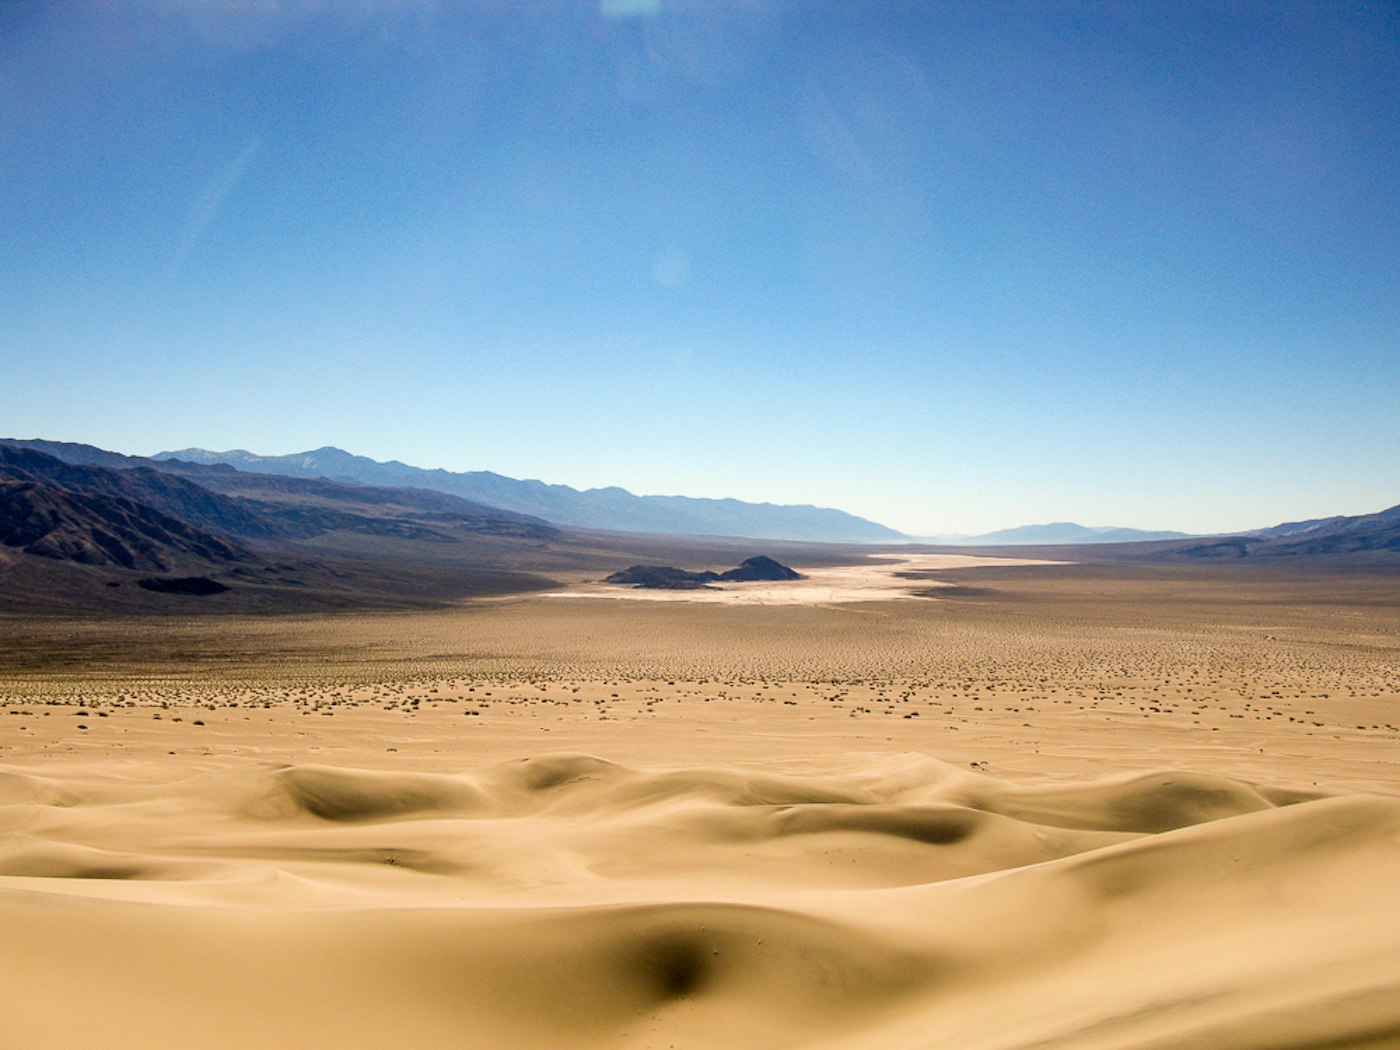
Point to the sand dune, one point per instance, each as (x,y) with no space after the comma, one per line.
(564,900)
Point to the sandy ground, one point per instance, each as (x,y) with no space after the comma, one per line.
(1066,809)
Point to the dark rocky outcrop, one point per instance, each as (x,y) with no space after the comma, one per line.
(665,577)
(662,577)
(761,567)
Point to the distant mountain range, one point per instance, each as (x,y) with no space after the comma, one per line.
(117,516)
(1356,534)
(1058,533)
(605,508)
(80,525)
(83,529)
(250,507)
(1318,536)
(1316,528)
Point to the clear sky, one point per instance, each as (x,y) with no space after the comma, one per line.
(952,266)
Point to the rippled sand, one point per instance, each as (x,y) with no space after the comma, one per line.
(567,901)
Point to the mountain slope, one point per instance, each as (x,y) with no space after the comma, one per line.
(74,538)
(606,508)
(227,479)
(1377,533)
(1337,526)
(103,530)
(1345,535)
(256,507)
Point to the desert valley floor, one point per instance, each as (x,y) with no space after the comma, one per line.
(926,804)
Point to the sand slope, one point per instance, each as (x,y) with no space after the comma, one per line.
(567,901)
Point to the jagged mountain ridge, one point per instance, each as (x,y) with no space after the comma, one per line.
(259,507)
(75,537)
(104,530)
(609,508)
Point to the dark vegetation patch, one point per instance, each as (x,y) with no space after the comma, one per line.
(198,586)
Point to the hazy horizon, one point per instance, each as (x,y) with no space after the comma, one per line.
(953,268)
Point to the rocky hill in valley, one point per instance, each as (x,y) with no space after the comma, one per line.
(760,568)
(666,577)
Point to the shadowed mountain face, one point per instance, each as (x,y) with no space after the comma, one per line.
(75,536)
(169,495)
(607,508)
(260,508)
(220,477)
(97,529)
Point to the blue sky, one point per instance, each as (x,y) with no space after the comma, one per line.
(950,266)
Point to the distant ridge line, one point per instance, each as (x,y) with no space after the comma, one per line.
(611,508)
(1060,533)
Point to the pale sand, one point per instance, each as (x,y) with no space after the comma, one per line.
(878,579)
(1067,820)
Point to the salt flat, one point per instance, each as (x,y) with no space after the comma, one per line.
(1065,806)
